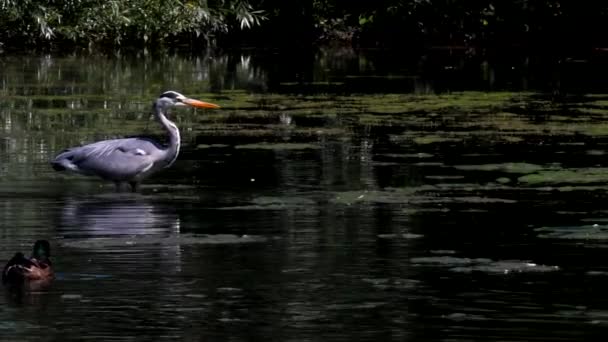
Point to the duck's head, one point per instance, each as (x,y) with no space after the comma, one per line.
(42,250)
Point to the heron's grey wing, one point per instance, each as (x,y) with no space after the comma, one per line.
(119,159)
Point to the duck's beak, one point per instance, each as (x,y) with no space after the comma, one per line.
(199,104)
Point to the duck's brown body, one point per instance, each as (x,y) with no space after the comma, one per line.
(23,272)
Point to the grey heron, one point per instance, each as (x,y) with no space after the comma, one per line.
(131,159)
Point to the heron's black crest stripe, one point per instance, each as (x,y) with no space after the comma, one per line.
(170,94)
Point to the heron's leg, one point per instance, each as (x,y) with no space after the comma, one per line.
(118,186)
(134,186)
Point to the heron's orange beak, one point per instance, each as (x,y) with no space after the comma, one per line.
(200,104)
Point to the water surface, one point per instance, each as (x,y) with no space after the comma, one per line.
(346,200)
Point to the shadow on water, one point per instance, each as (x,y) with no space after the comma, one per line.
(367,196)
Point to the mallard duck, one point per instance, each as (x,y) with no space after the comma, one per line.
(20,271)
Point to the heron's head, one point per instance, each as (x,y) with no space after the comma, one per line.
(42,250)
(172,98)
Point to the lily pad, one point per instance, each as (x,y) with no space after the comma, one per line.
(583,232)
(275,203)
(279,146)
(578,176)
(173,240)
(483,265)
(432,138)
(504,167)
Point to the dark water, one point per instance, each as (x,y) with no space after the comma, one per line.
(442,198)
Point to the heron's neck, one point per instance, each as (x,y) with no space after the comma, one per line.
(172,149)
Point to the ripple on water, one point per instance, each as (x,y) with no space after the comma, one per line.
(410,196)
(400,236)
(483,265)
(460,317)
(523,168)
(69,296)
(356,306)
(173,240)
(279,146)
(590,316)
(392,283)
(442,251)
(275,203)
(583,232)
(17,325)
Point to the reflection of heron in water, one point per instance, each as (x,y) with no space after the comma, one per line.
(117,224)
(115,216)
(131,159)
